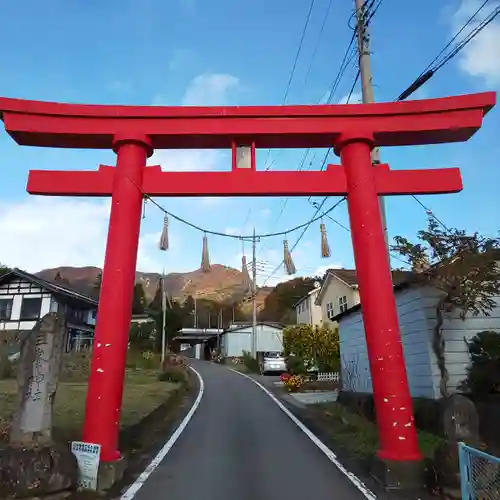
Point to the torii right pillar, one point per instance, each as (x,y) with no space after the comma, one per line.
(399,462)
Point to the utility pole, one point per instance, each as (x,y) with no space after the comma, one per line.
(195,319)
(164,319)
(363,38)
(254,296)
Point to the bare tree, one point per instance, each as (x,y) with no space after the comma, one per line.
(463,267)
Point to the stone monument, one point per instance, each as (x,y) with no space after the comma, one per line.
(461,423)
(33,464)
(37,378)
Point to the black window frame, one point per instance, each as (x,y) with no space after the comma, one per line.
(7,308)
(22,314)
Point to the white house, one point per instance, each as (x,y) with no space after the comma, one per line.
(25,298)
(339,292)
(308,312)
(417,317)
(238,338)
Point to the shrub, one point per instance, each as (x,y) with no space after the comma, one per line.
(295,365)
(173,374)
(483,373)
(75,366)
(146,360)
(315,345)
(251,363)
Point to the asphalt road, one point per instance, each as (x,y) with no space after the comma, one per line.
(239,445)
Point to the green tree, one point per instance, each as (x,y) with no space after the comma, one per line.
(139,301)
(463,267)
(173,323)
(155,304)
(4,269)
(96,287)
(278,305)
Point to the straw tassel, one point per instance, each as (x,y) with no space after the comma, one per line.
(325,247)
(287,259)
(164,235)
(246,277)
(205,259)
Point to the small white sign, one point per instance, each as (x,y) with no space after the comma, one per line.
(87,456)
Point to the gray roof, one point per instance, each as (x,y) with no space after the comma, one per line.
(48,285)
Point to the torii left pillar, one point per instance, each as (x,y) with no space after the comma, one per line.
(117,287)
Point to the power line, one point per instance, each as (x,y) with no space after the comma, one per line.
(427,74)
(394,256)
(430,71)
(299,48)
(315,218)
(306,227)
(320,36)
(294,65)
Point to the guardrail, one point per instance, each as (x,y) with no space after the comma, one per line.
(479,474)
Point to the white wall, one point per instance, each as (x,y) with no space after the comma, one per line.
(268,339)
(36,292)
(308,312)
(49,304)
(455,333)
(415,338)
(417,317)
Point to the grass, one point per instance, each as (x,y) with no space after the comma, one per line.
(359,436)
(143,392)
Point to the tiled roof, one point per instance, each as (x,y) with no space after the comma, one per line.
(53,287)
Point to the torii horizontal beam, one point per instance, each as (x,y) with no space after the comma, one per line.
(429,121)
(244,182)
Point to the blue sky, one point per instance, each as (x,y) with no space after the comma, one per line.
(220,52)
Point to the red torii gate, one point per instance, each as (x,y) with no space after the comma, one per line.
(134,132)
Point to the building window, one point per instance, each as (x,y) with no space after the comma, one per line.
(94,313)
(5,309)
(307,305)
(329,310)
(343,304)
(31,308)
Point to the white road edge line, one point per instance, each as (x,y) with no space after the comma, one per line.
(316,440)
(139,482)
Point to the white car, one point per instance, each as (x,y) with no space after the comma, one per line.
(273,362)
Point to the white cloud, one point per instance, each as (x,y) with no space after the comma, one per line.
(265,212)
(355,98)
(210,89)
(478,58)
(182,160)
(44,232)
(320,271)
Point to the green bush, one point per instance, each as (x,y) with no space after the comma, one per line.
(172,374)
(251,363)
(142,360)
(314,345)
(483,373)
(295,365)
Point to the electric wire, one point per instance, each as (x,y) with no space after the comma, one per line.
(318,41)
(430,71)
(427,74)
(294,65)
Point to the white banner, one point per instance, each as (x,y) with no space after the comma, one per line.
(87,455)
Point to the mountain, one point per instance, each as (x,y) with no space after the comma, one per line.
(221,284)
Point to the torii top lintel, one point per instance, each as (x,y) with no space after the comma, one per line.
(429,121)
